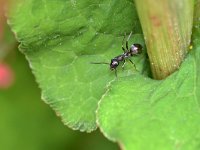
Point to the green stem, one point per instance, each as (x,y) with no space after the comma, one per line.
(167,28)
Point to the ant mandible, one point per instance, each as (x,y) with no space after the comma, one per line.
(134,50)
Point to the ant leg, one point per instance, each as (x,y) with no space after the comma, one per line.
(128,40)
(116,73)
(133,64)
(123,43)
(123,64)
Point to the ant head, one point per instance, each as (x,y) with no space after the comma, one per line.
(135,49)
(113,64)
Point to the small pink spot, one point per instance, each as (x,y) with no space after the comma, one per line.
(6,76)
(155,20)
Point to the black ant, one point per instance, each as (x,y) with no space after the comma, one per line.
(134,50)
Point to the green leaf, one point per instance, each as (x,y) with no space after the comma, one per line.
(141,113)
(29,124)
(60,38)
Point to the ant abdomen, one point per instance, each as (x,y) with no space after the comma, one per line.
(135,49)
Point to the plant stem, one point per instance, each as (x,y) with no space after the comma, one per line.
(167,28)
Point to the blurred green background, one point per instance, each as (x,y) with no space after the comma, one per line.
(26,122)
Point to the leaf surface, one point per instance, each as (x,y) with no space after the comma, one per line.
(60,38)
(141,113)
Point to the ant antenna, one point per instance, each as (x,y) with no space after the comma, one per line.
(99,63)
(106,64)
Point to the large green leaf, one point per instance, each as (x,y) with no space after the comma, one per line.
(29,124)
(61,37)
(144,114)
